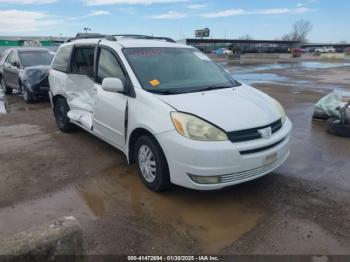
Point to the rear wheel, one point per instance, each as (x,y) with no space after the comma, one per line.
(152,165)
(61,110)
(7,90)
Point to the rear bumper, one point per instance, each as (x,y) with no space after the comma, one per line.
(225,160)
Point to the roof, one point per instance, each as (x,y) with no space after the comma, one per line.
(129,42)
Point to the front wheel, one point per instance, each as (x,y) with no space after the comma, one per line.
(151,163)
(7,90)
(61,110)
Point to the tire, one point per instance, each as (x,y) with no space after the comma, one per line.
(7,90)
(28,96)
(334,127)
(61,110)
(156,177)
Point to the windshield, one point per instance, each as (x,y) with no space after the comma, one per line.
(176,70)
(35,58)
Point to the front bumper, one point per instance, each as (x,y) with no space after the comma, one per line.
(224,159)
(40,90)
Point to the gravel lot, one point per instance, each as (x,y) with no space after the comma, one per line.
(303,208)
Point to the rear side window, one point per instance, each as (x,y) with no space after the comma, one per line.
(83,61)
(108,66)
(62,59)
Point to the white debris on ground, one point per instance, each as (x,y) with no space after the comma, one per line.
(2,103)
(327,106)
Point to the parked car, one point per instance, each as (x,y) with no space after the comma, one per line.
(3,56)
(222,51)
(182,118)
(297,52)
(26,69)
(325,50)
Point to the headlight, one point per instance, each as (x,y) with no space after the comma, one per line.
(196,129)
(281,110)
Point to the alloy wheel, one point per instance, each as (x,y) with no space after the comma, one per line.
(147,163)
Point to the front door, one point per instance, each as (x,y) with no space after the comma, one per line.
(13,70)
(109,115)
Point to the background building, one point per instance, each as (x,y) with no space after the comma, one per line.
(242,46)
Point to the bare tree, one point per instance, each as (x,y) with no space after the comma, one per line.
(300,31)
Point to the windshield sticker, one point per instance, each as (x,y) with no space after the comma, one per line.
(201,56)
(154,82)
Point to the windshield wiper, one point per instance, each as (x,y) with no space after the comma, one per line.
(209,88)
(164,92)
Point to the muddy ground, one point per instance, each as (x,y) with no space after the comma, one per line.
(302,208)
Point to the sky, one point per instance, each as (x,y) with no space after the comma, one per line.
(261,19)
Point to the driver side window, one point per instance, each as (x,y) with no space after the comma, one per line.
(108,66)
(14,58)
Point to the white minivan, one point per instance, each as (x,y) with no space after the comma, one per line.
(182,118)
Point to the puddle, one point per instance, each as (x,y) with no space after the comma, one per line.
(260,74)
(214,220)
(250,78)
(204,215)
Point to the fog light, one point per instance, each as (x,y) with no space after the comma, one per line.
(207,180)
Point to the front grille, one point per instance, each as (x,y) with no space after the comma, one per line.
(253,133)
(250,173)
(261,149)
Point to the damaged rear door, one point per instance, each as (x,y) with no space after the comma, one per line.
(110,108)
(80,85)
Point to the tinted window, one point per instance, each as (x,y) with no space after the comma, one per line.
(14,58)
(62,59)
(108,66)
(83,61)
(34,58)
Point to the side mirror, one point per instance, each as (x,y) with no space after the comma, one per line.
(114,85)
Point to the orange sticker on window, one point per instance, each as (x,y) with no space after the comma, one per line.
(155,82)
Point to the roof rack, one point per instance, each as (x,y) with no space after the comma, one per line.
(114,37)
(167,39)
(91,36)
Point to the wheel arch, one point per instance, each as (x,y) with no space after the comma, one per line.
(135,134)
(54,99)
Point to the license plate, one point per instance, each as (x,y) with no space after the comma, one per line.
(270,158)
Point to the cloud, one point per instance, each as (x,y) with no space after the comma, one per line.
(13,21)
(27,2)
(272,11)
(169,15)
(197,6)
(98,13)
(300,4)
(130,2)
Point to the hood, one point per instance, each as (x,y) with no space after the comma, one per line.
(34,75)
(231,109)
